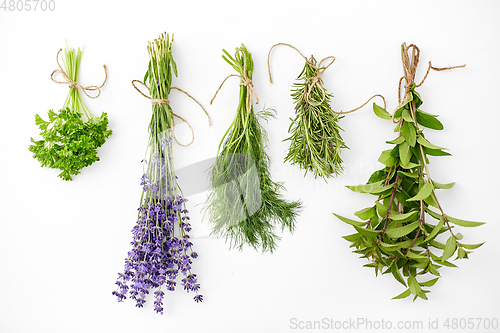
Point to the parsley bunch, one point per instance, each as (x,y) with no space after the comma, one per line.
(397,234)
(72,135)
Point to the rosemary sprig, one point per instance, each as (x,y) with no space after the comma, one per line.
(243,203)
(315,140)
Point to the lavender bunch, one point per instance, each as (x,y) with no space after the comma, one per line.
(161,246)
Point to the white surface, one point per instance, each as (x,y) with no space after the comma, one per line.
(63,243)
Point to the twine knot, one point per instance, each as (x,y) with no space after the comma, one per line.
(410,68)
(75,85)
(246,82)
(166,101)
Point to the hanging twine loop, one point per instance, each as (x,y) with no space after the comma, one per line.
(314,81)
(73,84)
(410,68)
(166,101)
(317,79)
(246,81)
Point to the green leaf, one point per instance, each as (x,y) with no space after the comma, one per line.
(426,143)
(406,116)
(402,231)
(386,158)
(432,213)
(427,120)
(397,275)
(404,294)
(381,209)
(436,230)
(381,189)
(436,244)
(409,133)
(377,176)
(349,221)
(413,285)
(443,186)
(404,154)
(399,111)
(449,248)
(435,152)
(403,217)
(462,254)
(366,188)
(381,112)
(352,238)
(429,283)
(397,141)
(463,223)
(366,213)
(408,174)
(368,232)
(174,66)
(470,246)
(415,256)
(423,192)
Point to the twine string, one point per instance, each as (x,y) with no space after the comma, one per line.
(317,79)
(166,101)
(246,81)
(410,68)
(75,85)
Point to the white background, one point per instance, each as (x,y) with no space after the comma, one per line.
(63,243)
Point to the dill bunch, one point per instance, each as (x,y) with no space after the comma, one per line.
(315,140)
(243,203)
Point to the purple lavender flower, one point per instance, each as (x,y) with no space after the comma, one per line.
(158,255)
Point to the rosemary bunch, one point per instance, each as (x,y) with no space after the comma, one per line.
(161,246)
(243,203)
(72,135)
(397,234)
(315,140)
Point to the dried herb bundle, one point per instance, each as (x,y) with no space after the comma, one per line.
(72,135)
(161,246)
(315,140)
(243,203)
(396,233)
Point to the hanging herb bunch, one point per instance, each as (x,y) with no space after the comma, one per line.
(161,246)
(401,233)
(72,135)
(243,203)
(315,135)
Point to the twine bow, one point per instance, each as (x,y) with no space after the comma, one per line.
(166,101)
(246,81)
(410,68)
(73,84)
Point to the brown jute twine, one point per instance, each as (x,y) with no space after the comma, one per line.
(73,84)
(246,81)
(410,68)
(317,79)
(166,101)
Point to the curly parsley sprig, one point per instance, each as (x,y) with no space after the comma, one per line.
(72,135)
(395,234)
